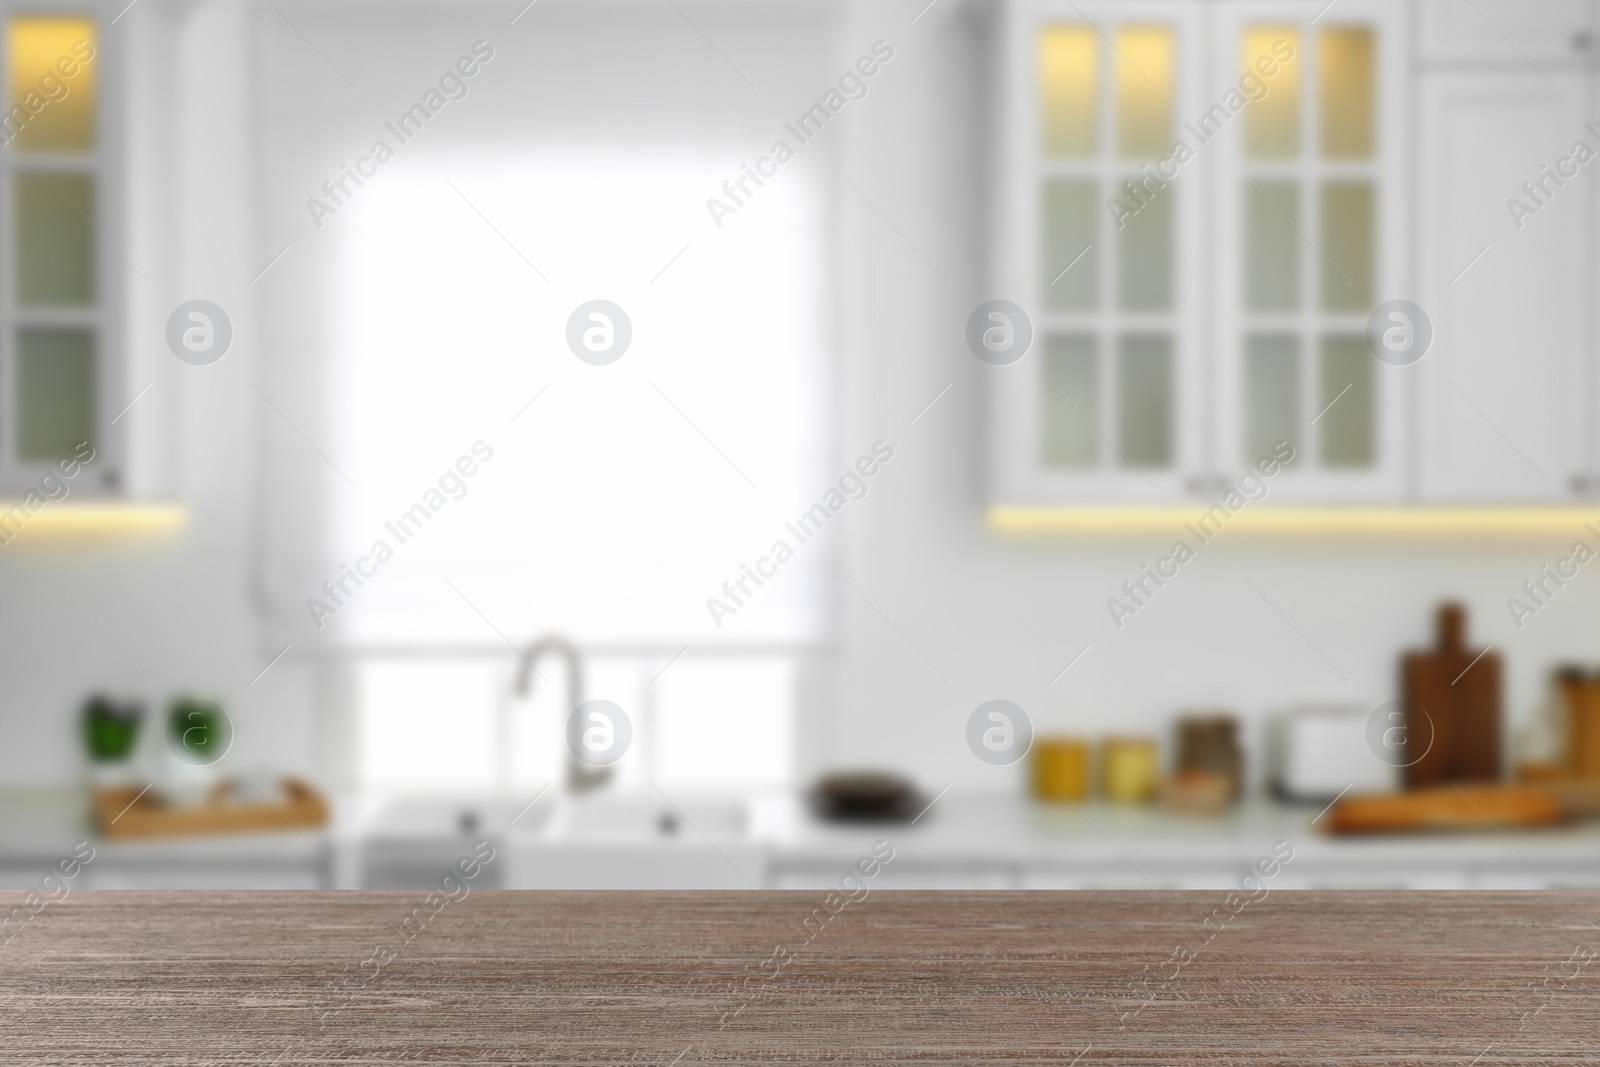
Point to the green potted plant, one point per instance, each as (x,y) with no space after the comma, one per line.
(199,734)
(110,735)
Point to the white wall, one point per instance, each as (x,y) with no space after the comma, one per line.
(173,615)
(996,618)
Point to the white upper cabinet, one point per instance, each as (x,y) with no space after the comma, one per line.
(1310,237)
(1507,276)
(61,281)
(1203,205)
(1199,205)
(1101,243)
(1513,32)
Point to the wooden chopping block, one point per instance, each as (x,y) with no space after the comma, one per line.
(1451,697)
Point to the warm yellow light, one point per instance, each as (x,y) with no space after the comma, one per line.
(52,99)
(51,523)
(1398,522)
(1068,76)
(1144,91)
(1272,123)
(1346,87)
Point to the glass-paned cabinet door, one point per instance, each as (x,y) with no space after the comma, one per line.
(1310,241)
(57,289)
(1098,240)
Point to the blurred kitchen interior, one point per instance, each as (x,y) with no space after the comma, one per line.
(182,636)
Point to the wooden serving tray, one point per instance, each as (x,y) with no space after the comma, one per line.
(122,814)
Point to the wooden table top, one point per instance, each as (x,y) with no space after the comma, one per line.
(690,978)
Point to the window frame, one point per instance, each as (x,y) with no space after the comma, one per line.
(105,318)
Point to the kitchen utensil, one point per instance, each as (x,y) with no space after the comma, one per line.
(1129,767)
(1539,747)
(1061,768)
(865,796)
(1314,753)
(1581,694)
(1451,701)
(1477,807)
(1211,743)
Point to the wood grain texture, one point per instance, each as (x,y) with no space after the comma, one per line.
(913,978)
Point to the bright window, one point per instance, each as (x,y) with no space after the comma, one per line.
(618,498)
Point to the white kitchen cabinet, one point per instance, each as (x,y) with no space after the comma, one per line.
(1513,32)
(1310,229)
(1199,205)
(1107,403)
(1507,388)
(63,307)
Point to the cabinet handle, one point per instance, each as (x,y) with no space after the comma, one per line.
(1581,41)
(1580,484)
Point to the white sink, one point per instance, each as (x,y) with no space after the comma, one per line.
(650,816)
(471,815)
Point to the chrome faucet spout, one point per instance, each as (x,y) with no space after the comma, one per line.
(581,777)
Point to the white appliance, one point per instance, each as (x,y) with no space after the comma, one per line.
(1316,752)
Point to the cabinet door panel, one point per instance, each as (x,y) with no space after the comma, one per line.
(822,878)
(1312,233)
(1100,244)
(1512,32)
(1504,384)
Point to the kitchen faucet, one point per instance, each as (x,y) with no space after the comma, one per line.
(581,777)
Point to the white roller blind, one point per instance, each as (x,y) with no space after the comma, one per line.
(432,306)
(616,499)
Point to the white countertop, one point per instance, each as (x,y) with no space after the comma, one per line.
(39,827)
(959,829)
(1017,830)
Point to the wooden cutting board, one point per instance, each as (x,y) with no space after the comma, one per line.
(1451,697)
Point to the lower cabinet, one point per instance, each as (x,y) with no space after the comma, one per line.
(1223,879)
(674,866)
(237,863)
(145,874)
(1346,876)
(896,876)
